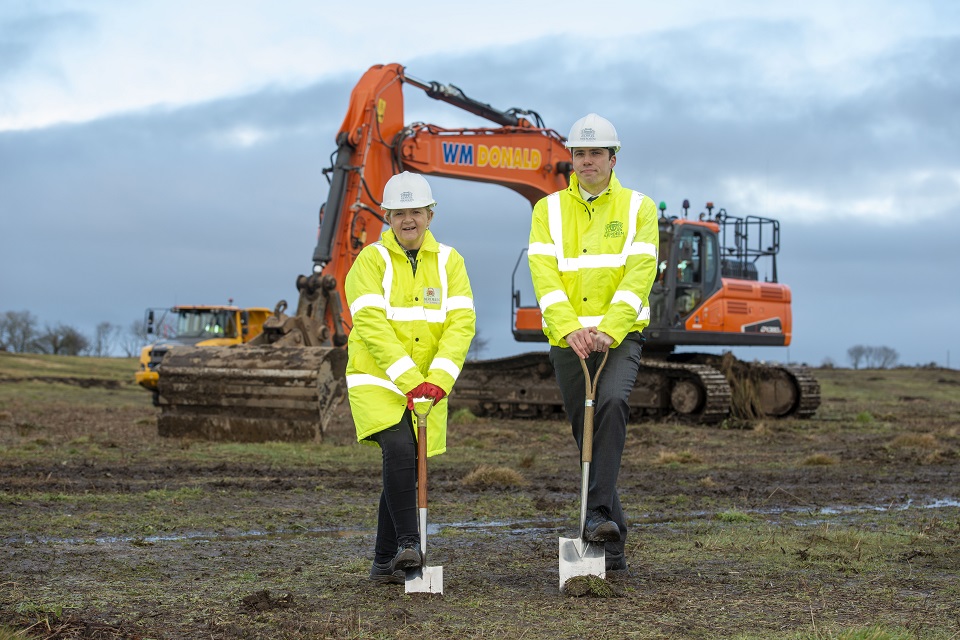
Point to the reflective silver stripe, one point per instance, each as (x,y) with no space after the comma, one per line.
(553,298)
(368,300)
(459,302)
(632,299)
(604,260)
(445,364)
(444,287)
(414,314)
(595,261)
(635,199)
(407,314)
(642,249)
(555,222)
(400,367)
(589,321)
(420,313)
(365,379)
(629,297)
(542,249)
(387,276)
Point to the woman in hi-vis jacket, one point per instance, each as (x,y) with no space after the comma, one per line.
(413,321)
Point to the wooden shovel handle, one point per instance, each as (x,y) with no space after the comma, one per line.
(422,456)
(590,386)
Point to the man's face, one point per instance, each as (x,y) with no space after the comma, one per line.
(593,166)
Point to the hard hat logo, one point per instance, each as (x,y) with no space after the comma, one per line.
(587,134)
(406,196)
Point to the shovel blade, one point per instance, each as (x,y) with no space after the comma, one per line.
(579,558)
(424,580)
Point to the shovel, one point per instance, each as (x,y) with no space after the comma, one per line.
(577,556)
(423,579)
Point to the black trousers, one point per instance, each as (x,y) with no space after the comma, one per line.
(397,521)
(611,413)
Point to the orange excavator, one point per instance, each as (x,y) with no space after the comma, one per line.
(284,384)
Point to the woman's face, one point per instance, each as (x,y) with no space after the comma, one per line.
(410,225)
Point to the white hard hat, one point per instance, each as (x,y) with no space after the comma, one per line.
(407,191)
(593,131)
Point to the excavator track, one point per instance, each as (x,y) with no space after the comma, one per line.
(692,392)
(761,390)
(524,386)
(809,392)
(521,386)
(250,394)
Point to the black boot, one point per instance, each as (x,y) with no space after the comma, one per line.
(616,564)
(408,556)
(600,528)
(386,573)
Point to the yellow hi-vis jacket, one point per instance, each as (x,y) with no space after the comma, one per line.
(593,263)
(407,329)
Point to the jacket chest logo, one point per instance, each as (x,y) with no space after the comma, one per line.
(613,230)
(431,295)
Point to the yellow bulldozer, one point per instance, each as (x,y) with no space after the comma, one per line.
(195,326)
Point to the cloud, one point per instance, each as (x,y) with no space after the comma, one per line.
(197,203)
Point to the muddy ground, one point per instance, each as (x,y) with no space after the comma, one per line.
(845,524)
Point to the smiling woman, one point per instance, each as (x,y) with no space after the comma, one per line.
(413,321)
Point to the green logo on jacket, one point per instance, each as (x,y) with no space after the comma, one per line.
(613,230)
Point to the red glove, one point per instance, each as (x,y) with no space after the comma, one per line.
(425,390)
(433,391)
(417,392)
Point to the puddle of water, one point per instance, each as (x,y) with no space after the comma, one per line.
(525,527)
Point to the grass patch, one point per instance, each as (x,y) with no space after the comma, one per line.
(463,415)
(915,441)
(677,458)
(734,516)
(819,460)
(486,477)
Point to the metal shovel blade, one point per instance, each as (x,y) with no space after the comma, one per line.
(579,558)
(424,580)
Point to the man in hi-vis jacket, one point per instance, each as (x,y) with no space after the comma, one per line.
(593,258)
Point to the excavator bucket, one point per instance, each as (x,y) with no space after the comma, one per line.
(250,394)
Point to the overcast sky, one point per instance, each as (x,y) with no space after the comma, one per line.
(161,152)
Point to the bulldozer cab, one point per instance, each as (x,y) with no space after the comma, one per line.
(206,323)
(192,323)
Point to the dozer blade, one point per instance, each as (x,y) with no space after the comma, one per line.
(250,394)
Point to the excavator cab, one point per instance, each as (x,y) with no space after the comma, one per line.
(687,273)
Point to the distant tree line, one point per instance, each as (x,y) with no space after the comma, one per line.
(20,332)
(872,357)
